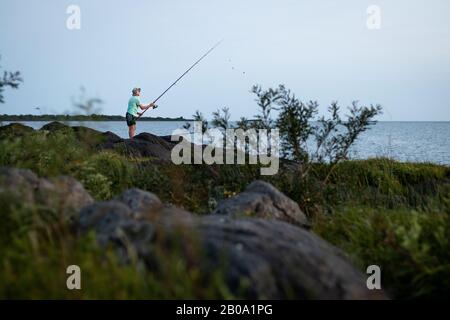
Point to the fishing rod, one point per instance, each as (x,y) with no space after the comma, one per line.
(185,73)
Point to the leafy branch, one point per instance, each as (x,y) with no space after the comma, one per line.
(9,79)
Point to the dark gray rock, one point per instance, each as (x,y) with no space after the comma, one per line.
(280,260)
(90,137)
(114,224)
(14,130)
(54,126)
(143,204)
(18,183)
(110,139)
(147,145)
(272,258)
(62,194)
(103,217)
(142,145)
(65,194)
(261,199)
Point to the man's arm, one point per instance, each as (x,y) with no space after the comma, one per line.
(145,107)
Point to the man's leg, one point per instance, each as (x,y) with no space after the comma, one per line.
(131,131)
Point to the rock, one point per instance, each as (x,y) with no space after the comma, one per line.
(143,204)
(103,217)
(14,130)
(93,138)
(149,145)
(18,184)
(281,260)
(172,217)
(168,139)
(54,126)
(114,224)
(146,205)
(142,145)
(261,199)
(278,260)
(110,139)
(64,195)
(89,137)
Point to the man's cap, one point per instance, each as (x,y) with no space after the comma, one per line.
(135,90)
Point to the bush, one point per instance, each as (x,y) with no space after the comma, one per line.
(381,183)
(152,178)
(9,79)
(46,154)
(106,174)
(411,247)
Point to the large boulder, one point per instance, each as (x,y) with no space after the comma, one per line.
(14,130)
(147,145)
(280,260)
(54,126)
(142,145)
(18,184)
(88,136)
(263,200)
(114,224)
(272,258)
(103,217)
(110,139)
(142,203)
(96,139)
(64,195)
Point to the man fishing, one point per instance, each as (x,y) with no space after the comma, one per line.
(134,103)
(132,112)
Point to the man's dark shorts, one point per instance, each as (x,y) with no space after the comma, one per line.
(131,120)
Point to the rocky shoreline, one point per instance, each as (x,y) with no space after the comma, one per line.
(262,234)
(276,256)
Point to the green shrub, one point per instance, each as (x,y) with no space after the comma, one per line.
(152,178)
(377,182)
(98,185)
(106,174)
(410,246)
(45,154)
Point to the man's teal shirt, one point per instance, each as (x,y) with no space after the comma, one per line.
(133,106)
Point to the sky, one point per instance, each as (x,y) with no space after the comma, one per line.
(322,50)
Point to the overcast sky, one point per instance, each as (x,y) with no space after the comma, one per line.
(322,50)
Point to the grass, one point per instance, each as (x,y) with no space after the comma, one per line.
(37,248)
(410,246)
(379,211)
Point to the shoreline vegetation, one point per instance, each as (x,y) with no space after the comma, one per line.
(141,227)
(92,117)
